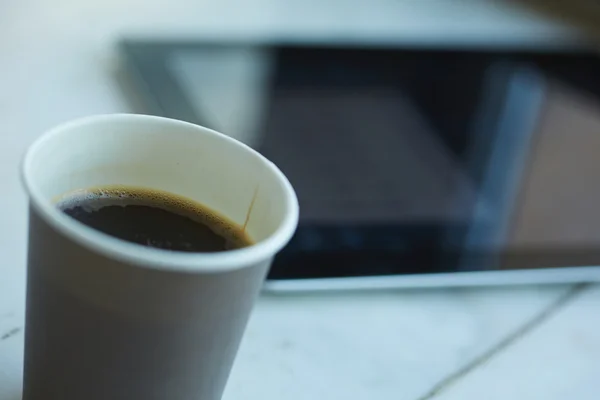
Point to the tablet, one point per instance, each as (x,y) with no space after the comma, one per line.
(413,167)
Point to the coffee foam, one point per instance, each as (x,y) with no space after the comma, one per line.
(92,199)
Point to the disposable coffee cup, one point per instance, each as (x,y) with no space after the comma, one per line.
(109,319)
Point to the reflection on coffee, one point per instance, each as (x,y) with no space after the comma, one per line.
(154,218)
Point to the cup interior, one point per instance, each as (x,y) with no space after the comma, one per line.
(168,155)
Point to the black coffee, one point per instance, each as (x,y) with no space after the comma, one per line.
(154,218)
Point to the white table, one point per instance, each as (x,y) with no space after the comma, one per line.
(510,343)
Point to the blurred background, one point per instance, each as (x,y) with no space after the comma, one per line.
(423,137)
(432,143)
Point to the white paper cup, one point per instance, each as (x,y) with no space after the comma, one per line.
(108,319)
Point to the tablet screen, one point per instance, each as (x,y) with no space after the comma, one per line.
(400,160)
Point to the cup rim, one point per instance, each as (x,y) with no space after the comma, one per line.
(152,258)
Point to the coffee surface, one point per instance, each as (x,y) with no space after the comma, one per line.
(154,218)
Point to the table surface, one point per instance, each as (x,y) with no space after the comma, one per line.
(494,343)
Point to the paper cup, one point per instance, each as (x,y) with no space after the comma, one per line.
(108,319)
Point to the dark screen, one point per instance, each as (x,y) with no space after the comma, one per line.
(407,161)
(399,171)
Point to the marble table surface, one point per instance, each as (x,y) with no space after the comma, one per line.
(57,62)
